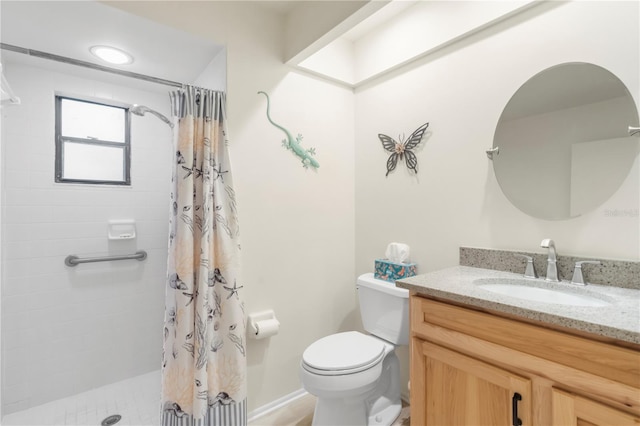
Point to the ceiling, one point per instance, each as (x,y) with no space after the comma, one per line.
(377,19)
(70,28)
(282,7)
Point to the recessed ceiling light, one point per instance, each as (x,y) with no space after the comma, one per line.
(111,55)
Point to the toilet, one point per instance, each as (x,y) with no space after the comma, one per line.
(356,376)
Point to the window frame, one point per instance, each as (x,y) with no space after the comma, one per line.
(60,140)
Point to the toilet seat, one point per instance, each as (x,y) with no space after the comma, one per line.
(343,353)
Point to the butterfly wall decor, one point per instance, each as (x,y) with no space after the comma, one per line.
(400,150)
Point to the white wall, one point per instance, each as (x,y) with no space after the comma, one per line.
(334,60)
(214,75)
(302,249)
(312,23)
(424,27)
(455,199)
(67,330)
(296,225)
(2,203)
(397,33)
(461,90)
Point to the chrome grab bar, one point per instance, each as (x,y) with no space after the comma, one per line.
(73,260)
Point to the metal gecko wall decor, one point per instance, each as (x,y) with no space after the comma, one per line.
(400,150)
(293,144)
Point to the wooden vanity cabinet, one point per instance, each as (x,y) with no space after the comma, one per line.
(470,367)
(571,409)
(461,390)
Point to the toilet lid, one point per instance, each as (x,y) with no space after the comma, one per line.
(350,351)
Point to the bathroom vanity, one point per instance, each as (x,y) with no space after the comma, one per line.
(479,357)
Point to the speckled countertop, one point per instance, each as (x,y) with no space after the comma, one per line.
(619,319)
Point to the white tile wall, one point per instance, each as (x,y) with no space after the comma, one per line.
(66,330)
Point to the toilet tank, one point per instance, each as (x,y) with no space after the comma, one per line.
(384,309)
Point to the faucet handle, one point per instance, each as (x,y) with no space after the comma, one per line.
(530,271)
(578,278)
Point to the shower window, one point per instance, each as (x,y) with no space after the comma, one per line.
(92,142)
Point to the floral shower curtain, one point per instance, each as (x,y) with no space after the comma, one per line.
(204,358)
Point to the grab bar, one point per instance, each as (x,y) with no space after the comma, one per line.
(73,260)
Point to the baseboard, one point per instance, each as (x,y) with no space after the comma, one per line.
(274,405)
(289,398)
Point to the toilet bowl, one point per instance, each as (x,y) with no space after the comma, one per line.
(355,376)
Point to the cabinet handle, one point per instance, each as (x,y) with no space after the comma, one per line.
(514,408)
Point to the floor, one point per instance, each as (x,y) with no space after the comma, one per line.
(137,401)
(300,413)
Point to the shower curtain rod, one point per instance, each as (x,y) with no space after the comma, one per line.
(71,61)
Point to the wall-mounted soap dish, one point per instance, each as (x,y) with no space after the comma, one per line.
(121,229)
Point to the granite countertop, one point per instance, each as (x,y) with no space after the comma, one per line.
(619,319)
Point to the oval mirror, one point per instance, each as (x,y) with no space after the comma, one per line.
(563,141)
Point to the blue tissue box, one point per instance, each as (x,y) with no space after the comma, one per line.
(391,271)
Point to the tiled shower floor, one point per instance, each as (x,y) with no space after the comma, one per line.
(136,399)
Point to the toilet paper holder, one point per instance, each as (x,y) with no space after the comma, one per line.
(262,324)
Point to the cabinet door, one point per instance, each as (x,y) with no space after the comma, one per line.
(454,389)
(573,410)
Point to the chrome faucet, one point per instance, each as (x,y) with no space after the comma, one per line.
(552,267)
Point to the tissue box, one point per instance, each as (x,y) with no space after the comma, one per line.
(391,271)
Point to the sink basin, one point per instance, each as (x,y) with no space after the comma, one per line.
(527,290)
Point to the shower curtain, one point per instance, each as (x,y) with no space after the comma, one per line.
(204,358)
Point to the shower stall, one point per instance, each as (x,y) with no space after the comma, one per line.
(82,339)
(70,329)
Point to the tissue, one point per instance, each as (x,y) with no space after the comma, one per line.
(397,253)
(396,265)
